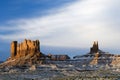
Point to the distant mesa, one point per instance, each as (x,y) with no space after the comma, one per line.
(99,57)
(59,57)
(93,50)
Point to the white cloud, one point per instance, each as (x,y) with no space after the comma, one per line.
(74,25)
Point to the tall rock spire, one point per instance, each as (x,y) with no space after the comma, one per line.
(95,47)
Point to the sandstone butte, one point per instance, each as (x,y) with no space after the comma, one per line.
(27,47)
(98,54)
(101,57)
(25,53)
(28,53)
(95,50)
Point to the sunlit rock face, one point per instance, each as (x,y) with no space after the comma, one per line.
(27,47)
(24,53)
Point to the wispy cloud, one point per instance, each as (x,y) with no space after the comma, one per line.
(75,25)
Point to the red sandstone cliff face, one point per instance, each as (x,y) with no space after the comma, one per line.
(25,53)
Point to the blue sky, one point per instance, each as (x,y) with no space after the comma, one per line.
(27,8)
(61,24)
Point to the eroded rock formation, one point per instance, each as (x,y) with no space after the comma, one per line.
(27,47)
(24,53)
(95,47)
(97,56)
